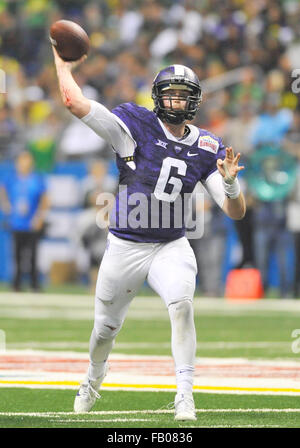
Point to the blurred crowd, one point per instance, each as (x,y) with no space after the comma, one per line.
(244,53)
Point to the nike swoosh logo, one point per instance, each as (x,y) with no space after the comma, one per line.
(191,154)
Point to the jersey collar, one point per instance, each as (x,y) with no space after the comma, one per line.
(188,140)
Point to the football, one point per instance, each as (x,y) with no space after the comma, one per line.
(69,39)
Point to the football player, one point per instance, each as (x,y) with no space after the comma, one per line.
(160,156)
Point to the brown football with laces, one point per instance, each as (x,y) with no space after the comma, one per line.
(69,39)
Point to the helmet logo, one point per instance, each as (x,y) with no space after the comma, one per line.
(178,70)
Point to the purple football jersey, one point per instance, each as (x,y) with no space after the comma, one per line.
(149,206)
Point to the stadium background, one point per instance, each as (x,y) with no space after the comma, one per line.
(244,53)
(247,366)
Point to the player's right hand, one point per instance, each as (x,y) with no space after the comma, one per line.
(59,62)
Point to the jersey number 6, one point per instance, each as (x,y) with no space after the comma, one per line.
(163,179)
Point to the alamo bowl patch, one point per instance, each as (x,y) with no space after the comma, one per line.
(208,143)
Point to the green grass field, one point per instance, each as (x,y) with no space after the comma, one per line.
(120,409)
(257,331)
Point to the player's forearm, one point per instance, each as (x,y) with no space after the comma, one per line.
(71,93)
(235,208)
(69,89)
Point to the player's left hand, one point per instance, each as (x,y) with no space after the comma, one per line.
(229,167)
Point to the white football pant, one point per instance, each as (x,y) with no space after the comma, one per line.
(170,270)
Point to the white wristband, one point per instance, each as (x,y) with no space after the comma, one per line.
(232,191)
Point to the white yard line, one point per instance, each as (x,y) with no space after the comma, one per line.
(52,345)
(149,411)
(14,301)
(46,313)
(236,426)
(117,420)
(138,345)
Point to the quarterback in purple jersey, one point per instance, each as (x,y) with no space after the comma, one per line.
(160,158)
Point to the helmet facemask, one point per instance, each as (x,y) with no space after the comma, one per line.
(174,115)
